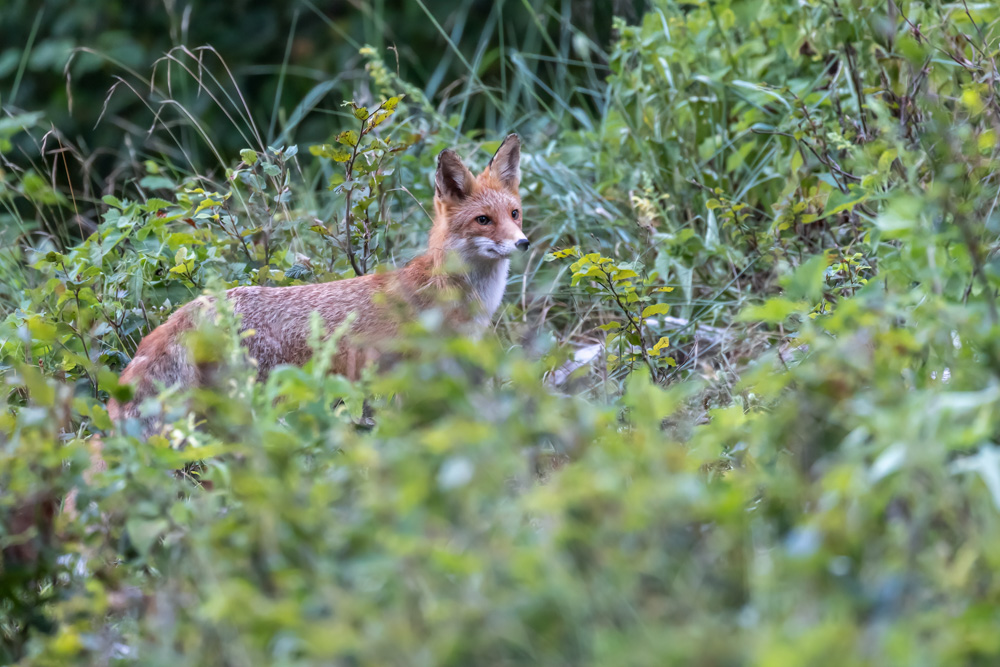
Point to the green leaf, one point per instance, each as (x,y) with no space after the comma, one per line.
(348,138)
(591,272)
(656,309)
(157,183)
(796,162)
(143,533)
(361,113)
(153,205)
(772,311)
(109,382)
(808,280)
(248,156)
(330,152)
(840,201)
(41,392)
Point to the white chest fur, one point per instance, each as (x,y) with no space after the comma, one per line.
(488,280)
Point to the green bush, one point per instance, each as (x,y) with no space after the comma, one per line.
(780,223)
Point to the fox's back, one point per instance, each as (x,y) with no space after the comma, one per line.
(280,320)
(280,316)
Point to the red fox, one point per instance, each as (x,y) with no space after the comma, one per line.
(477,219)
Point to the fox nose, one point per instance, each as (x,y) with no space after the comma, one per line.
(522,244)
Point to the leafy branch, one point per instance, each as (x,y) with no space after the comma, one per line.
(359,228)
(615,284)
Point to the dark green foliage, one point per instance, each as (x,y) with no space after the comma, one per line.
(781,220)
(276,61)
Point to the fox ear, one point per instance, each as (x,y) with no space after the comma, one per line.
(506,164)
(453,179)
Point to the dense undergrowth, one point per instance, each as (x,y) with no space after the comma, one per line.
(776,221)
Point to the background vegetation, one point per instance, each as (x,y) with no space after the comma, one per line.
(740,406)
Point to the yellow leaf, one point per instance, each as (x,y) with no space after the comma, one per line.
(987,140)
(348,138)
(656,309)
(378,119)
(565,252)
(973,101)
(206,203)
(660,346)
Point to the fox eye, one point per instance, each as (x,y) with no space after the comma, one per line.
(483,220)
(514,214)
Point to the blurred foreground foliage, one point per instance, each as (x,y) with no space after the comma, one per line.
(794,203)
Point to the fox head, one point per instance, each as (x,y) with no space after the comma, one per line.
(479,217)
